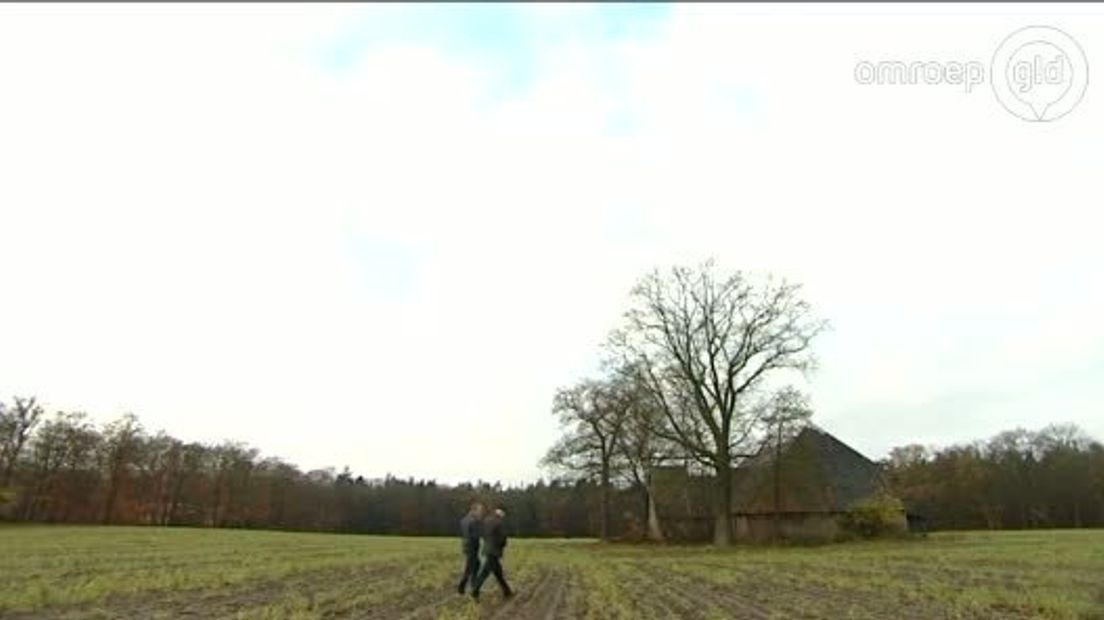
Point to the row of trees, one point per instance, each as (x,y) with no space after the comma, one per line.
(697,373)
(1018,479)
(65,468)
(693,375)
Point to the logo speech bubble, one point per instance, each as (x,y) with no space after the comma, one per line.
(1039,73)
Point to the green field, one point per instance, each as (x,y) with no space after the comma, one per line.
(93,572)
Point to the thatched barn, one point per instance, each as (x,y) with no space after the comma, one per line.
(797,489)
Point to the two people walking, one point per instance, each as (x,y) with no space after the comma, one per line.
(476,527)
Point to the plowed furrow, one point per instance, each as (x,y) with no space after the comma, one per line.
(689,590)
(527,592)
(225,602)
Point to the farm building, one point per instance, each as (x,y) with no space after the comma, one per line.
(799,488)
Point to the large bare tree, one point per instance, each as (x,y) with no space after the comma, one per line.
(705,343)
(593,414)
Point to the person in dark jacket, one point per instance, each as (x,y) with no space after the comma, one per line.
(470,532)
(494,545)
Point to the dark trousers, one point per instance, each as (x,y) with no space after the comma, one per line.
(471,570)
(492,565)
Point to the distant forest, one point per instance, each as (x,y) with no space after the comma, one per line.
(1018,479)
(65,468)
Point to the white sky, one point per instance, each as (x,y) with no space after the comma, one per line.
(282,225)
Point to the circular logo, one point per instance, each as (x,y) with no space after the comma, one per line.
(1039,73)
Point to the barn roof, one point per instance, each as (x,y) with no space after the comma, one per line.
(817,473)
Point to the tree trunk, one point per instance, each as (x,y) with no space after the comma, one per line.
(31,503)
(109,503)
(216,500)
(654,532)
(605,525)
(174,501)
(722,528)
(777,529)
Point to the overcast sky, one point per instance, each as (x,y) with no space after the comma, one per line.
(381,236)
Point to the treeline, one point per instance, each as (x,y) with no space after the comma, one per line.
(65,468)
(1018,479)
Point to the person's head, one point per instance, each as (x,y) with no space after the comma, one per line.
(500,512)
(476,508)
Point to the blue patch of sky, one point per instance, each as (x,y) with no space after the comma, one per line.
(505,40)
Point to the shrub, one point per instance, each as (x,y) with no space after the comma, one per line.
(878,515)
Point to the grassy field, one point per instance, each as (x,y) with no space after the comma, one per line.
(93,572)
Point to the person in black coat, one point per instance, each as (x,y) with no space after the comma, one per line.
(470,531)
(494,545)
